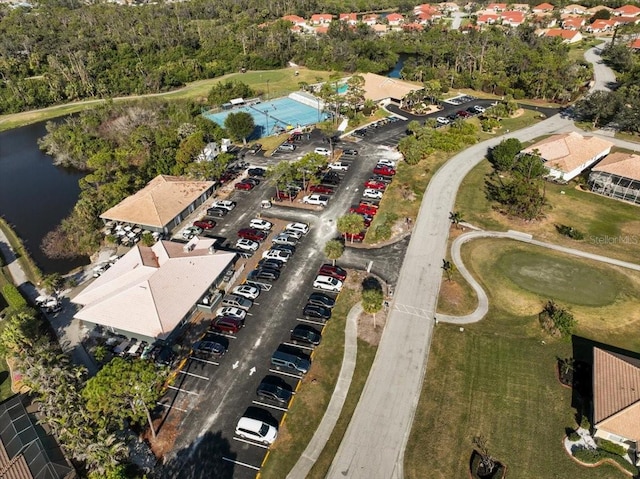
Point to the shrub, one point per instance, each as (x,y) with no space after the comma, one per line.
(591,456)
(570,232)
(573,436)
(584,423)
(556,320)
(382,232)
(13,297)
(611,447)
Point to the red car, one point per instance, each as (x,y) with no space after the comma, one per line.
(334,271)
(367,220)
(285,195)
(375,185)
(227,324)
(364,209)
(322,189)
(463,114)
(205,224)
(384,170)
(356,238)
(253,234)
(244,185)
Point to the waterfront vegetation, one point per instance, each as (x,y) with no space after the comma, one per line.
(28,265)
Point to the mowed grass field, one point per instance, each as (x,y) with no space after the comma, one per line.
(610,227)
(497,377)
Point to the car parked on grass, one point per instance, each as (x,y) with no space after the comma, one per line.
(338,166)
(260,224)
(305,334)
(327,283)
(256,430)
(383,179)
(321,299)
(386,162)
(205,224)
(217,212)
(372,194)
(231,312)
(322,151)
(284,238)
(247,291)
(227,324)
(224,204)
(384,170)
(334,271)
(247,245)
(297,226)
(244,185)
(274,388)
(316,312)
(315,199)
(277,254)
(252,234)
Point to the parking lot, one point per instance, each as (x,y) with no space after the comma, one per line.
(203,404)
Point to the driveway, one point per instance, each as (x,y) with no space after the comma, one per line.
(604,78)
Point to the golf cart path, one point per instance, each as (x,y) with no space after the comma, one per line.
(483,301)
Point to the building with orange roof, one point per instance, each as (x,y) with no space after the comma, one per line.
(574,9)
(424,18)
(626,20)
(520,7)
(321,29)
(542,8)
(496,7)
(601,26)
(488,19)
(395,19)
(573,23)
(412,27)
(371,19)
(321,18)
(513,18)
(569,154)
(617,176)
(425,7)
(295,19)
(635,45)
(627,11)
(350,18)
(568,36)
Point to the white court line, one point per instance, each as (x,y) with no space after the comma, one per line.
(258,403)
(411,310)
(169,406)
(241,463)
(194,375)
(310,321)
(193,358)
(251,443)
(184,391)
(300,346)
(275,371)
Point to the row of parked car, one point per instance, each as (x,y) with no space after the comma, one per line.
(460,114)
(363,132)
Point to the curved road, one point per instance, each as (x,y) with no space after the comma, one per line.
(375,441)
(602,74)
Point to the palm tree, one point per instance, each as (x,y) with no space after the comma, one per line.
(456,218)
(351,224)
(448,268)
(333,250)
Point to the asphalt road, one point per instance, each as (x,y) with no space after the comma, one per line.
(604,78)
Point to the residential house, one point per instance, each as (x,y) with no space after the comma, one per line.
(566,155)
(395,19)
(513,18)
(627,11)
(425,8)
(321,30)
(321,18)
(542,8)
(574,9)
(616,399)
(295,19)
(151,292)
(626,20)
(425,18)
(27,448)
(161,205)
(412,27)
(488,19)
(568,36)
(380,28)
(591,11)
(617,176)
(370,19)
(601,26)
(573,23)
(520,7)
(496,7)
(350,18)
(635,45)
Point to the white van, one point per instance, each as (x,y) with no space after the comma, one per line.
(256,430)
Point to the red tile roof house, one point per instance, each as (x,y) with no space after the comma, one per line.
(512,19)
(321,29)
(569,154)
(574,9)
(635,45)
(425,7)
(542,8)
(600,26)
(627,11)
(616,399)
(321,18)
(409,27)
(295,19)
(626,20)
(520,7)
(425,18)
(370,19)
(488,19)
(573,23)
(395,19)
(568,36)
(350,18)
(496,7)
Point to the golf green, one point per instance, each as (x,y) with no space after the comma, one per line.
(563,279)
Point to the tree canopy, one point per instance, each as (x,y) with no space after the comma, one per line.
(239,125)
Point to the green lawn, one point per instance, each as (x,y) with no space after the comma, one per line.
(497,377)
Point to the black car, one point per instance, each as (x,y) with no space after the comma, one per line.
(274,388)
(263,274)
(217,212)
(317,312)
(256,172)
(350,152)
(253,181)
(321,299)
(360,132)
(163,356)
(211,348)
(384,179)
(284,247)
(305,334)
(270,263)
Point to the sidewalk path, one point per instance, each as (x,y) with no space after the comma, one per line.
(331,415)
(483,302)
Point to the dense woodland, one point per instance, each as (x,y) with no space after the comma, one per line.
(66,51)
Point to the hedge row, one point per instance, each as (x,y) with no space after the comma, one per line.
(13,297)
(591,456)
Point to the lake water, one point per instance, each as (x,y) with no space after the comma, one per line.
(395,73)
(35,195)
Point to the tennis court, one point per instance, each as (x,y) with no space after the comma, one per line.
(274,116)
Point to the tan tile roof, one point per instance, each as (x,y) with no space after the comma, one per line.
(567,151)
(13,470)
(626,165)
(616,393)
(378,87)
(159,202)
(150,289)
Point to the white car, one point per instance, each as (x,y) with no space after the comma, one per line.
(442,120)
(191,231)
(322,151)
(316,199)
(301,227)
(224,204)
(284,238)
(372,194)
(294,233)
(327,283)
(232,312)
(338,166)
(249,292)
(260,224)
(478,108)
(385,162)
(247,245)
(277,254)
(256,430)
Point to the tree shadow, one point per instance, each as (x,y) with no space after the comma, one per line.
(207,457)
(371,282)
(4,375)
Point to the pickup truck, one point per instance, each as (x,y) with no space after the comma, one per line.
(316,200)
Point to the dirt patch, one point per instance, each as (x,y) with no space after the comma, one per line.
(452,294)
(366,329)
(517,113)
(163,443)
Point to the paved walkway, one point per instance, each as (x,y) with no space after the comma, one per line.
(483,302)
(331,415)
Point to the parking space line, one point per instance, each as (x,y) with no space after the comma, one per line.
(255,468)
(251,443)
(193,358)
(183,390)
(258,403)
(194,375)
(169,406)
(300,346)
(319,323)
(226,335)
(275,371)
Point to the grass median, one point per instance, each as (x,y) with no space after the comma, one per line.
(498,378)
